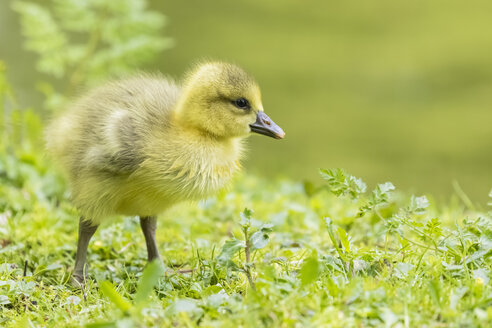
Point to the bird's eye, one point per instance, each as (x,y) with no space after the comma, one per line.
(241,103)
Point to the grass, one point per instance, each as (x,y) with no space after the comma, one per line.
(329,254)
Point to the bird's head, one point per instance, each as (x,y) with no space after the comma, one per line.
(222,100)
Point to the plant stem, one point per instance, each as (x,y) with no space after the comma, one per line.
(421,245)
(247,266)
(250,278)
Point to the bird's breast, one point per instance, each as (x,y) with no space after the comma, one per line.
(198,178)
(184,173)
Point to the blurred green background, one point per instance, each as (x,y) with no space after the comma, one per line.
(389,90)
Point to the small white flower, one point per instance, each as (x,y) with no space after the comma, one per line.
(73,300)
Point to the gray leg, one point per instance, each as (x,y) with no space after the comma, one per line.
(149,225)
(86,231)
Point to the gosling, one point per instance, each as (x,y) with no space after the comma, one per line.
(137,146)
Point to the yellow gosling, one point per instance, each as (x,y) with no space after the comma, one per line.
(138,146)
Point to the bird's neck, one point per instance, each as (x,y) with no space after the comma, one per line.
(182,138)
(185,122)
(201,139)
(182,113)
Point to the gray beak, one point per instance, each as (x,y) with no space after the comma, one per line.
(264,125)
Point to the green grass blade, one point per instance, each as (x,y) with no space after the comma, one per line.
(110,292)
(150,278)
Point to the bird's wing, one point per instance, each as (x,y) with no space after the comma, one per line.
(117,151)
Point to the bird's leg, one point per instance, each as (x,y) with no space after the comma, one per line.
(149,225)
(86,231)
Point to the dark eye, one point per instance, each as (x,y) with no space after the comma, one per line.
(241,103)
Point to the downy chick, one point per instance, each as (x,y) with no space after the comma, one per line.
(138,146)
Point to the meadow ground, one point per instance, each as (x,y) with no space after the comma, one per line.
(304,257)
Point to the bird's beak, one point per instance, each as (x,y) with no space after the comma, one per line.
(264,125)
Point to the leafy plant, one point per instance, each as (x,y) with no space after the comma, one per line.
(84,41)
(254,239)
(341,183)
